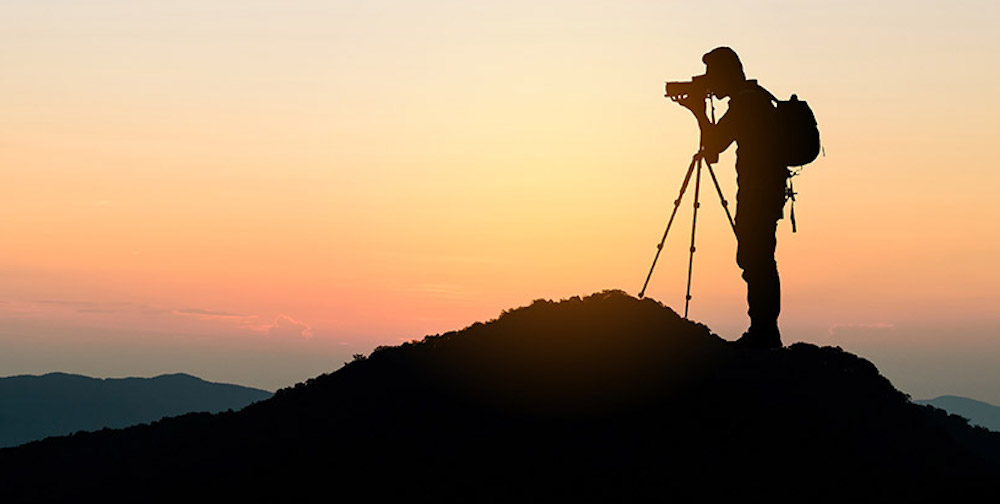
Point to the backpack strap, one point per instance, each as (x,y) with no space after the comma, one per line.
(753,83)
(790,195)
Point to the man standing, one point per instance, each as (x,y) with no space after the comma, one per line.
(751,122)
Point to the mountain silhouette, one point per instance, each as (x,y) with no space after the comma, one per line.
(56,404)
(602,398)
(977,412)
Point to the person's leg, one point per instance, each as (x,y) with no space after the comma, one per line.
(755,255)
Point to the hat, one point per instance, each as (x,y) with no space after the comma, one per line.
(722,62)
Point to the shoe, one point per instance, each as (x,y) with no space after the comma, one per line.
(760,338)
(748,340)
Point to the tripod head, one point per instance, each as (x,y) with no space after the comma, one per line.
(685,94)
(709,157)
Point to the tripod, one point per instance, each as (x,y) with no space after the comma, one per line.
(696,161)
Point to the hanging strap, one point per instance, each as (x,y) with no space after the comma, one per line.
(790,195)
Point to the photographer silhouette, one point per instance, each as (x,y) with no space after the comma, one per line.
(751,122)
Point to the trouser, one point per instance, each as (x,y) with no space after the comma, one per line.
(755,233)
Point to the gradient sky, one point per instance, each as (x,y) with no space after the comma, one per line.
(251,191)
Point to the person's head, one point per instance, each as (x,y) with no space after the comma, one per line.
(724,71)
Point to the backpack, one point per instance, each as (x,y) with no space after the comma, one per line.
(798,140)
(798,133)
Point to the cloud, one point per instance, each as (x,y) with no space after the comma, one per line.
(866,334)
(287,327)
(202,314)
(283,326)
(856,327)
(65,307)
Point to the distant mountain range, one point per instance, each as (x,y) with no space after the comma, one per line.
(605,398)
(57,404)
(979,413)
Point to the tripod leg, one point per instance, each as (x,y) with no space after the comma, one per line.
(722,197)
(677,203)
(694,225)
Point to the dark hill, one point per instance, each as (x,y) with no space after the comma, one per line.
(978,412)
(606,398)
(57,404)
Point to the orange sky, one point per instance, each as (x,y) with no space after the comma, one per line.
(252,191)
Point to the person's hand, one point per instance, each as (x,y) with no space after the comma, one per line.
(695,104)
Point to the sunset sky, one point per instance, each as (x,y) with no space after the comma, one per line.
(252,191)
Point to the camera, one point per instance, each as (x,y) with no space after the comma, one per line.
(697,86)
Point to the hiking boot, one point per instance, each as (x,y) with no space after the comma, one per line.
(760,338)
(748,340)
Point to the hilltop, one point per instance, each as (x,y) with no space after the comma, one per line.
(602,398)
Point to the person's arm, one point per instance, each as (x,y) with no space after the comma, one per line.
(715,138)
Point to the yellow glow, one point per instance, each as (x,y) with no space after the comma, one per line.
(383,170)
